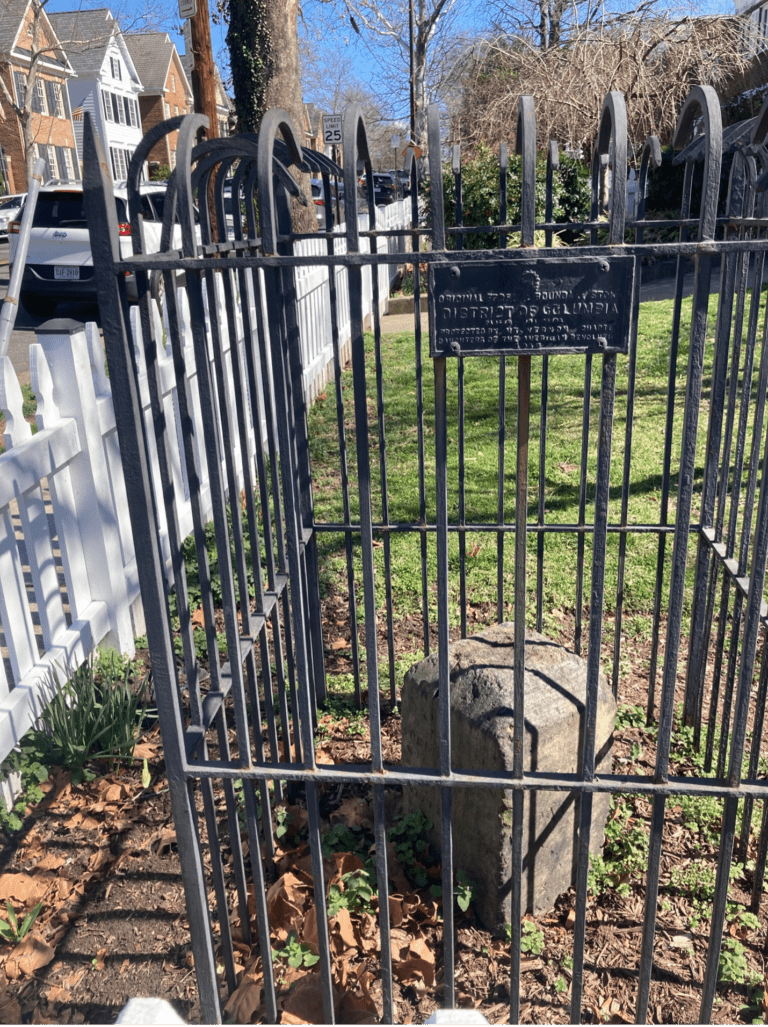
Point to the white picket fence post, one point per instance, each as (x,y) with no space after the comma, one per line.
(66,352)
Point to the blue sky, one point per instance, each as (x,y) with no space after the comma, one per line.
(356,55)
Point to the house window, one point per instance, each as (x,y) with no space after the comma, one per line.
(108,112)
(173,83)
(64,160)
(120,109)
(173,159)
(175,111)
(38,99)
(136,114)
(167,109)
(48,154)
(120,160)
(116,69)
(130,112)
(21,86)
(55,102)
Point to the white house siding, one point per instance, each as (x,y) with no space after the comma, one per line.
(87,94)
(82,100)
(123,138)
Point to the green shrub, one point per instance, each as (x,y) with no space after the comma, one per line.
(480,194)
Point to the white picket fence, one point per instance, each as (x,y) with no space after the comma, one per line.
(68,577)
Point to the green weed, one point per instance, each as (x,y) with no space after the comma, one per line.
(96,714)
(625,852)
(13,931)
(463,891)
(354,893)
(732,967)
(411,847)
(295,953)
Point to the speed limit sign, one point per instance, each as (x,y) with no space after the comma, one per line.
(332,129)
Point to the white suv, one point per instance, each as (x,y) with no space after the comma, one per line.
(59,264)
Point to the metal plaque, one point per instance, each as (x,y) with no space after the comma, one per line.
(543,305)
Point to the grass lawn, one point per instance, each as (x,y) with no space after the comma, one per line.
(566,392)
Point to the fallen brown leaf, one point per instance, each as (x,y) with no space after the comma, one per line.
(24,888)
(304,1002)
(10,1010)
(244,1000)
(30,955)
(58,995)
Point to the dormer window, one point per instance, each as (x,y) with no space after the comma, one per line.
(116,69)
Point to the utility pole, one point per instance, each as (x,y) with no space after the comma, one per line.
(203,81)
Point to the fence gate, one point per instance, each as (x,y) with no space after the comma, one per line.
(242,732)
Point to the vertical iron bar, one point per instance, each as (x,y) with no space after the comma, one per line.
(553,161)
(741,716)
(602,490)
(456,167)
(731,262)
(521,540)
(444,700)
(503,167)
(666,470)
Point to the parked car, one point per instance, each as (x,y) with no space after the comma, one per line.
(383,188)
(10,210)
(59,265)
(318,198)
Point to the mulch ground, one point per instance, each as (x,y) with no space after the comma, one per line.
(102,859)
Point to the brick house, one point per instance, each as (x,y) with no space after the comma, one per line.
(107,84)
(51,119)
(166,92)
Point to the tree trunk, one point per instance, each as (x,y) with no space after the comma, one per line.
(284,90)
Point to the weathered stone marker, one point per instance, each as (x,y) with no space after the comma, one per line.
(482,715)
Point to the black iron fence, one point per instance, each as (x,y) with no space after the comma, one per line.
(239,729)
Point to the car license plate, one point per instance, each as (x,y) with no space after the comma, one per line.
(66,272)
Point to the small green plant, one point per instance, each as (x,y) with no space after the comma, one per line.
(355,893)
(26,762)
(97,714)
(560,985)
(13,931)
(742,917)
(283,820)
(567,963)
(754,1010)
(340,712)
(531,939)
(733,967)
(463,891)
(624,855)
(630,716)
(343,838)
(295,953)
(411,847)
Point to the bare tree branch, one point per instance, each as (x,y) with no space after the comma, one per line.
(652,58)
